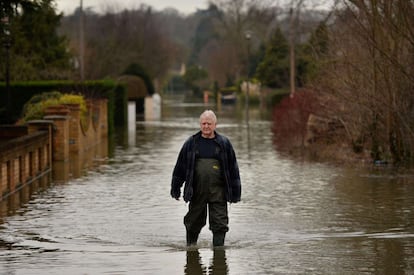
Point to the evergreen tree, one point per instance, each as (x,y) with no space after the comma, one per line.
(273,71)
(194,77)
(313,54)
(37,51)
(204,32)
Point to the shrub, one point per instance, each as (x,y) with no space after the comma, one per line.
(36,106)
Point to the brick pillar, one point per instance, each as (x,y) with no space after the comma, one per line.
(3,179)
(60,143)
(11,181)
(75,131)
(61,171)
(90,139)
(43,125)
(10,178)
(60,117)
(103,118)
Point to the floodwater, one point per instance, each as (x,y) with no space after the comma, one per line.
(295,217)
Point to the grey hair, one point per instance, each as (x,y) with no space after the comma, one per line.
(209,114)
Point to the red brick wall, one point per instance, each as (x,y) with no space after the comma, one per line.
(20,155)
(27,152)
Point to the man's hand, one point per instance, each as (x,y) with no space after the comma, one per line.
(175,194)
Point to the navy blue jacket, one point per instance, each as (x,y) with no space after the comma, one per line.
(184,169)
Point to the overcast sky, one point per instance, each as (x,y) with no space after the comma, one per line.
(184,6)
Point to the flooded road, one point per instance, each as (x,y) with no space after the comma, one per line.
(295,217)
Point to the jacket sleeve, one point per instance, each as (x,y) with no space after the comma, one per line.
(179,173)
(235,183)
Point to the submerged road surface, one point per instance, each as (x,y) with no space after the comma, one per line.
(294,217)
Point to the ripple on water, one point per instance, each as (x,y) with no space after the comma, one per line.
(294,217)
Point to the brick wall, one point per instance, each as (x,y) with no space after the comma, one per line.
(28,152)
(21,160)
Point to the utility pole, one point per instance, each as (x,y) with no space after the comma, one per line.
(294,19)
(81,42)
(248,36)
(7,45)
(292,53)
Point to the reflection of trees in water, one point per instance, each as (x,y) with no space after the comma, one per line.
(194,265)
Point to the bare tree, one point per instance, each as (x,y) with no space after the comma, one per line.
(371,74)
(296,9)
(223,62)
(115,40)
(239,16)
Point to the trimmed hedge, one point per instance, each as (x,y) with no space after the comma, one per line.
(21,92)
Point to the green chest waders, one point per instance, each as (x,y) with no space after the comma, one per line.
(208,193)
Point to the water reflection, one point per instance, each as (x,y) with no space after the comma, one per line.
(62,171)
(132,118)
(195,266)
(80,163)
(219,264)
(15,203)
(376,199)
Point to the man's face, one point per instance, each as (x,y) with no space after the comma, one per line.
(207,127)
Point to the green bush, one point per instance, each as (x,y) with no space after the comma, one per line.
(35,108)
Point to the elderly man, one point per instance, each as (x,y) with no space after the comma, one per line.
(207,164)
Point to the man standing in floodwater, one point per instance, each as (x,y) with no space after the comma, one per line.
(207,164)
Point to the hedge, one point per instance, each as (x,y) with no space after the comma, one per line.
(21,92)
